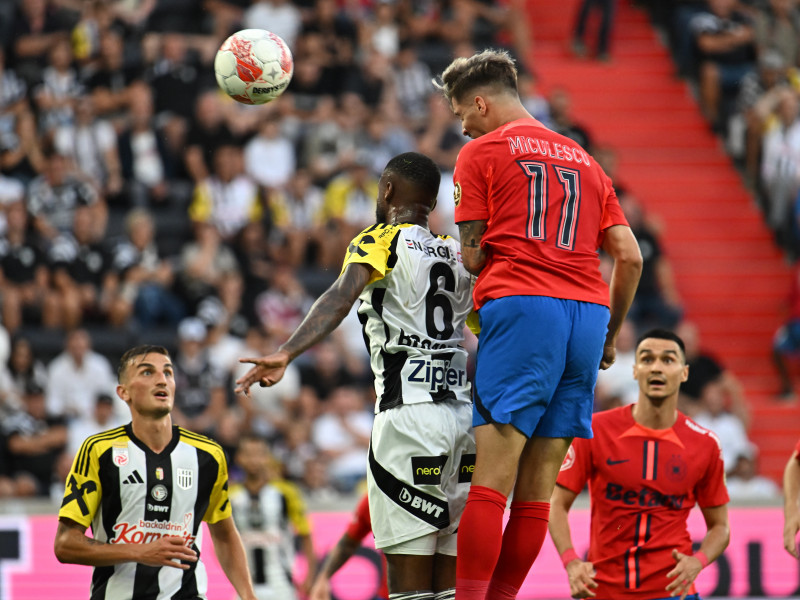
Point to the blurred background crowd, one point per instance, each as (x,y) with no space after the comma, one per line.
(138,204)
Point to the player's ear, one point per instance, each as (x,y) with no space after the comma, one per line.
(685,374)
(388,192)
(122,392)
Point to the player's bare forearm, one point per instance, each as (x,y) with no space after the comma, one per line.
(718,533)
(560,503)
(329,310)
(307,548)
(620,243)
(341,553)
(791,510)
(231,556)
(472,254)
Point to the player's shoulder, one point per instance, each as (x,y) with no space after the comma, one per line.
(618,416)
(98,444)
(698,434)
(202,442)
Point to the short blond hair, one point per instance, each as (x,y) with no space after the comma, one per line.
(489,68)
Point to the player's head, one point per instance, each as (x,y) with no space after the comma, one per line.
(408,188)
(146,381)
(253,456)
(471,85)
(660,366)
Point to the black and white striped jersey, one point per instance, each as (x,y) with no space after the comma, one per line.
(413,312)
(129,494)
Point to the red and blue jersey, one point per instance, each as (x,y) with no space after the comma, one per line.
(643,483)
(547,204)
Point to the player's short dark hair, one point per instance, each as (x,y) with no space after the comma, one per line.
(663,334)
(490,68)
(130,355)
(417,169)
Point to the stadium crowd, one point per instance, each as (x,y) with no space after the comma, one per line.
(139,204)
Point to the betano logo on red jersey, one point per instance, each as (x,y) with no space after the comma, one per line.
(144,531)
(643,497)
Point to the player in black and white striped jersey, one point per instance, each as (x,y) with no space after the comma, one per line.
(144,488)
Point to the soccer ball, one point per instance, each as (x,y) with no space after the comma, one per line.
(253,66)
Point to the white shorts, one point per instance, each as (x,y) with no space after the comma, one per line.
(421,459)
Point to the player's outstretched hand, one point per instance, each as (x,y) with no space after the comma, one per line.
(166,551)
(684,574)
(321,590)
(790,528)
(609,356)
(268,370)
(581,579)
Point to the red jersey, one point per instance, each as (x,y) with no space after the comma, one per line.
(547,204)
(359,527)
(643,483)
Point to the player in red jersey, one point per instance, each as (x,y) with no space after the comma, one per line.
(646,466)
(346,547)
(791,502)
(532,209)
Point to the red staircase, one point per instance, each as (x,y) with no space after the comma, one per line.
(731,277)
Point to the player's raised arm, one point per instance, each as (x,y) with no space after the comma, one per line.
(325,315)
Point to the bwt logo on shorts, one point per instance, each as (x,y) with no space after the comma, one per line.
(426,507)
(466,468)
(436,374)
(428,469)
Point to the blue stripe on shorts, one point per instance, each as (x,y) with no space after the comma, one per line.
(537,364)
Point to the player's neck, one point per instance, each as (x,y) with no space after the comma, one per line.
(156,434)
(254,483)
(655,415)
(409,215)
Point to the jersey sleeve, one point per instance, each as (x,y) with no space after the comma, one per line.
(295,507)
(373,247)
(711,489)
(612,211)
(219,506)
(361,524)
(471,192)
(577,466)
(83,491)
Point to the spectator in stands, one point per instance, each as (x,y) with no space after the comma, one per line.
(657,302)
(109,81)
(327,371)
(145,279)
(199,394)
(24,275)
(60,89)
(91,144)
(704,370)
(38,25)
(254,255)
(77,376)
(203,262)
(297,213)
(294,449)
(269,410)
(716,413)
(24,369)
(207,132)
(607,9)
(225,325)
(270,147)
(82,273)
(725,41)
(34,438)
(562,121)
(744,482)
(101,418)
(780,166)
(282,17)
(20,150)
(145,160)
(228,197)
(777,28)
(341,434)
(616,385)
(282,307)
(786,343)
(54,197)
(412,80)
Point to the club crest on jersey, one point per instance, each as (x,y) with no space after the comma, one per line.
(185,478)
(119,455)
(160,474)
(159,493)
(569,459)
(676,468)
(457,193)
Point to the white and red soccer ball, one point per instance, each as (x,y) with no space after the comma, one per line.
(254,66)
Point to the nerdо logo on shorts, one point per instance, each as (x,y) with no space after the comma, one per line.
(466,468)
(427,469)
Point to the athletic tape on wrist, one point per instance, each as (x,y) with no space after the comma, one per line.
(568,555)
